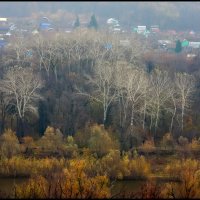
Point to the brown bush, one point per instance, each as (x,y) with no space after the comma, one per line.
(195,144)
(148,146)
(70,149)
(167,141)
(183,141)
(116,167)
(9,144)
(27,144)
(20,166)
(150,190)
(139,168)
(52,140)
(97,139)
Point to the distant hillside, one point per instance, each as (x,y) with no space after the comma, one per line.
(176,15)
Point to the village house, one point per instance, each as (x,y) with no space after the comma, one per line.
(154,29)
(4,27)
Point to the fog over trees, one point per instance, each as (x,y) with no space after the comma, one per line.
(175,15)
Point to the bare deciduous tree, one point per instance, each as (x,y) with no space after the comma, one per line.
(160,93)
(185,85)
(104,86)
(122,71)
(172,108)
(22,86)
(136,84)
(44,51)
(20,47)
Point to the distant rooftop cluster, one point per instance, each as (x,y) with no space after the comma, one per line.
(114,25)
(165,39)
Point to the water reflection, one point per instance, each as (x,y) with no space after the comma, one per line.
(129,186)
(7,184)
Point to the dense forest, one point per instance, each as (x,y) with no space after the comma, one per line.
(168,15)
(69,81)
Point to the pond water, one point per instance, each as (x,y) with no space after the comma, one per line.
(130,186)
(7,184)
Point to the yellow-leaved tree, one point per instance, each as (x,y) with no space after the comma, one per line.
(9,144)
(52,139)
(97,139)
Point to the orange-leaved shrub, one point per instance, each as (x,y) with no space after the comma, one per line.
(139,168)
(117,167)
(188,172)
(111,165)
(195,144)
(148,146)
(73,182)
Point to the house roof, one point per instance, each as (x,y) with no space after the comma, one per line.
(112,21)
(2,43)
(141,27)
(164,41)
(194,44)
(8,33)
(185,43)
(4,28)
(3,19)
(45,25)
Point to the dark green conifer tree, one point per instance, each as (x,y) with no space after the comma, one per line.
(93,22)
(77,22)
(178,48)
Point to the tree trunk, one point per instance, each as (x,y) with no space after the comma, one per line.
(3,117)
(150,124)
(182,115)
(56,75)
(20,127)
(72,119)
(157,118)
(104,117)
(172,121)
(120,112)
(11,122)
(132,115)
(2,124)
(144,116)
(43,120)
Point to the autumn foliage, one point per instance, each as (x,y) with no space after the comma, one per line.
(97,139)
(187,171)
(9,144)
(73,182)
